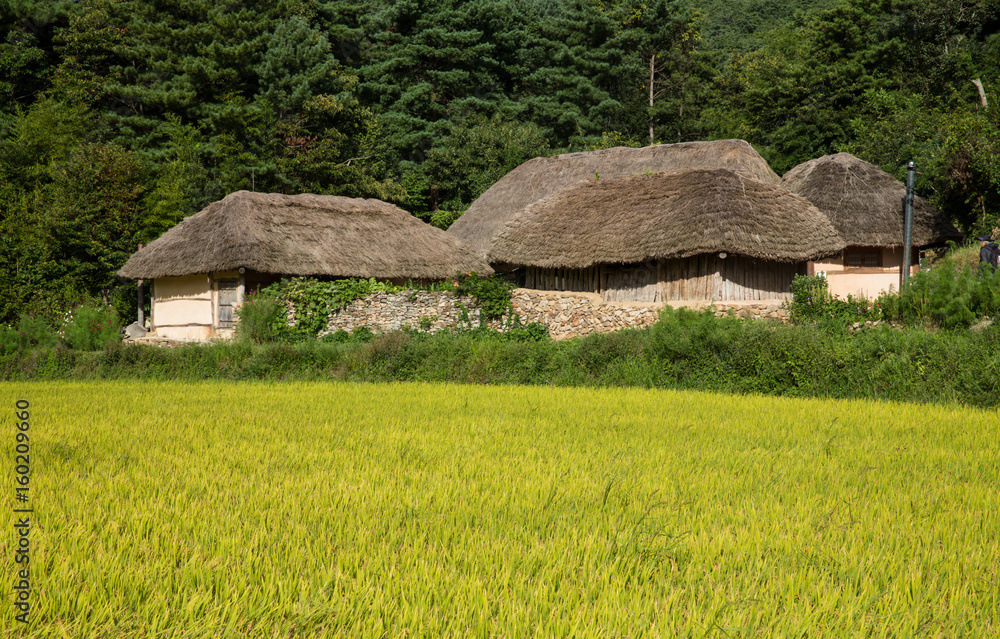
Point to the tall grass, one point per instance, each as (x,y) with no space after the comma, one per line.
(684,350)
(417,510)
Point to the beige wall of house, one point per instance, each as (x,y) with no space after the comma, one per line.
(864,281)
(188,307)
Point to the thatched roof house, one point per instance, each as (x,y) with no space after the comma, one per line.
(864,203)
(673,235)
(541,177)
(314,235)
(203,266)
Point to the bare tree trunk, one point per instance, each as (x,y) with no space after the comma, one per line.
(652,70)
(982,92)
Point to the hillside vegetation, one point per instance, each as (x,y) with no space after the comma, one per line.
(118,118)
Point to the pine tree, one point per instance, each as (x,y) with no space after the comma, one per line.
(27,48)
(574,58)
(427,61)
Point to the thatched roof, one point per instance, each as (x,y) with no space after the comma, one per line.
(864,203)
(315,235)
(666,215)
(541,177)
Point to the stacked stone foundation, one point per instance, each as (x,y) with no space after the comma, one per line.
(564,314)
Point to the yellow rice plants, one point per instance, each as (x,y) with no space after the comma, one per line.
(404,510)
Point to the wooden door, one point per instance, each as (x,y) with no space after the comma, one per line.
(227,302)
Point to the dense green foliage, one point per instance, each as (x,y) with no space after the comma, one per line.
(312,301)
(683,350)
(492,293)
(948,297)
(263,318)
(83,327)
(87,328)
(118,118)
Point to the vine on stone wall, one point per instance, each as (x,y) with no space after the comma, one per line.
(312,301)
(492,293)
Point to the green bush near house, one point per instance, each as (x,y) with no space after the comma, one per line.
(35,332)
(951,296)
(263,318)
(492,293)
(9,342)
(90,328)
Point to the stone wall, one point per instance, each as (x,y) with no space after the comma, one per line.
(424,310)
(565,314)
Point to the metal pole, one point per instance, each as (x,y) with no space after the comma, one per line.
(911,169)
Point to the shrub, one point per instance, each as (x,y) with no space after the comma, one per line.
(338,336)
(9,341)
(89,328)
(34,332)
(853,309)
(530,332)
(492,293)
(362,334)
(263,318)
(950,297)
(810,298)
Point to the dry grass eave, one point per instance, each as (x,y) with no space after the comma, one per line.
(864,203)
(671,214)
(542,177)
(314,235)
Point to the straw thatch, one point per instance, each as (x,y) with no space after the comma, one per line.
(673,214)
(864,203)
(315,235)
(541,177)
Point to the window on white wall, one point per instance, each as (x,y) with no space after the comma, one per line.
(862,257)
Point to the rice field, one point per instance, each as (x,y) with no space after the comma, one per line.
(419,510)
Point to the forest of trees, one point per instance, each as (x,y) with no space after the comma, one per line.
(118,118)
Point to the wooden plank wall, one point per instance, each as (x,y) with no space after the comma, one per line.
(701,277)
(586,280)
(746,278)
(633,283)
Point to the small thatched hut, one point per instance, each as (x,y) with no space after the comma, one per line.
(202,267)
(695,234)
(541,177)
(865,205)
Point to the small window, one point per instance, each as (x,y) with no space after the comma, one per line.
(227,301)
(862,257)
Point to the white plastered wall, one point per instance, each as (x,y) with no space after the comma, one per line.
(187,307)
(863,282)
(182,307)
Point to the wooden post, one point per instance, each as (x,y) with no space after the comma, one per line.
(142,315)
